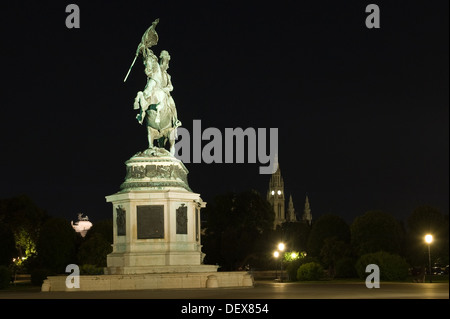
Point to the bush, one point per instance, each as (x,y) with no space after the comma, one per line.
(56,245)
(292,266)
(7,244)
(392,267)
(310,271)
(93,250)
(88,269)
(345,268)
(38,276)
(5,277)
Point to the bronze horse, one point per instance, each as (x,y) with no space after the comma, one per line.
(155,104)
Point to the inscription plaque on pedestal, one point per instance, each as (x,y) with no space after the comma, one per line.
(182,220)
(150,221)
(121,221)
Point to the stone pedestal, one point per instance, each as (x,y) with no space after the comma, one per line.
(157,240)
(156,219)
(235,279)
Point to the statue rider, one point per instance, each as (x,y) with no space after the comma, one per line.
(157,90)
(167,87)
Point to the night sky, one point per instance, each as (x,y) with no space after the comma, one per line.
(362,114)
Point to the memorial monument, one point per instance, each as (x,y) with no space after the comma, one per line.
(156,216)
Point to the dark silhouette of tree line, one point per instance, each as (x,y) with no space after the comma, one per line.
(36,243)
(238,234)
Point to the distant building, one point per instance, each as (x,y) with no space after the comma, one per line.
(275,196)
(82,225)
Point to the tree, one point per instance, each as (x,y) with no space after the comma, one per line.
(97,244)
(327,226)
(425,219)
(7,244)
(25,219)
(94,250)
(237,224)
(104,228)
(375,231)
(294,235)
(332,251)
(25,243)
(392,266)
(56,245)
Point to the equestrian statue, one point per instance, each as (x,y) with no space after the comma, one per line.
(155,104)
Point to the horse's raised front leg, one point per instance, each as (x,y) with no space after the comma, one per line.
(150,137)
(171,138)
(137,100)
(172,147)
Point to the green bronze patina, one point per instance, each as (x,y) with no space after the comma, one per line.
(155,103)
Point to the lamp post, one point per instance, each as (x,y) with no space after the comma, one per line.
(429,240)
(276,254)
(281,248)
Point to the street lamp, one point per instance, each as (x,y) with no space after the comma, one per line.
(281,248)
(429,240)
(276,254)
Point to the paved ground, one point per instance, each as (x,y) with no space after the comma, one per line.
(262,290)
(269,299)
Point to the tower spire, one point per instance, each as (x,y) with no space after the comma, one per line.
(307,216)
(276,165)
(291,210)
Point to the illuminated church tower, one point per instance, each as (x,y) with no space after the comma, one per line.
(275,195)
